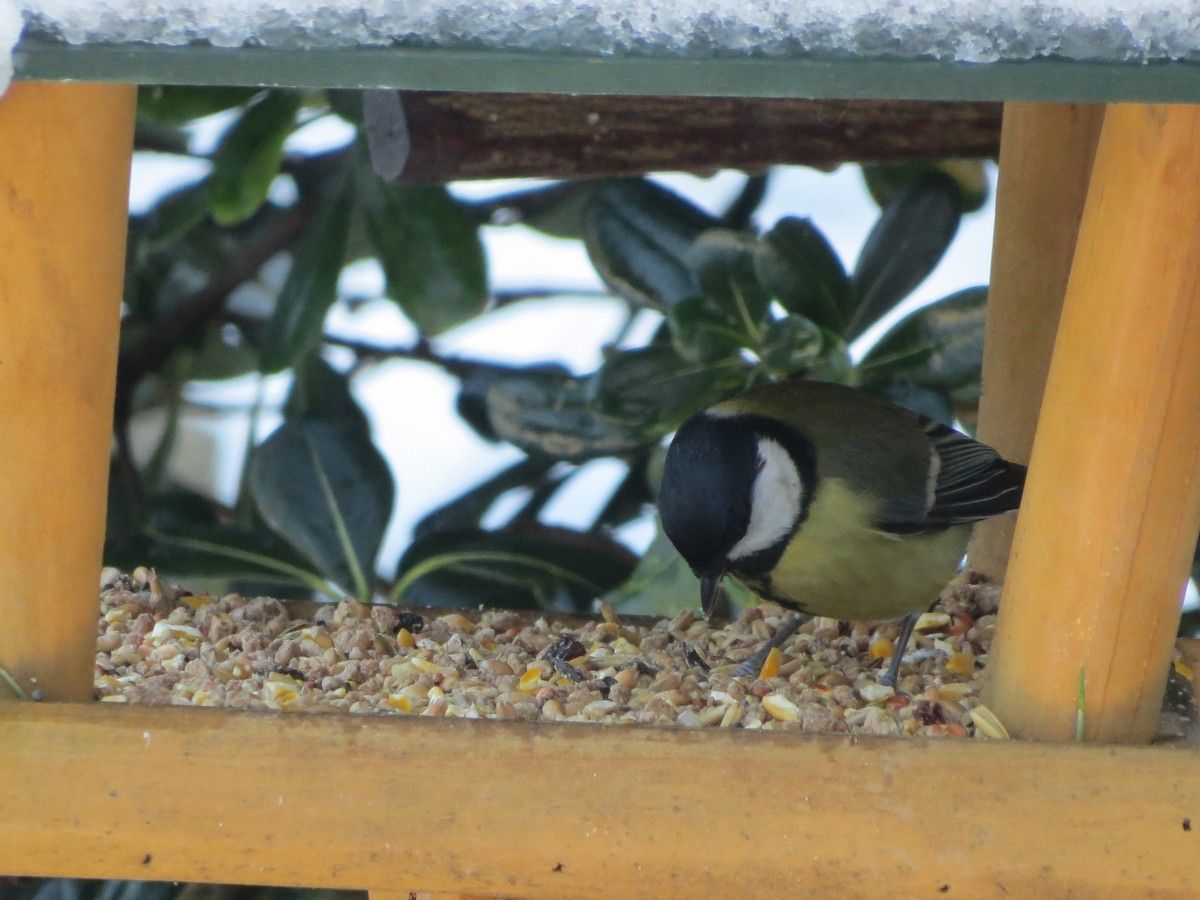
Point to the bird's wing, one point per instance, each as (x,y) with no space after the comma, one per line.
(967,481)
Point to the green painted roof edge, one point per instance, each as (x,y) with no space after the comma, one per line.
(491,70)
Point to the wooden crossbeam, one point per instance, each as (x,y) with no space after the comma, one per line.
(474,135)
(91,790)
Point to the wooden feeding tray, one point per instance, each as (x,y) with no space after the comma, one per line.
(1093,317)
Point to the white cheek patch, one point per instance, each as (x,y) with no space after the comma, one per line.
(774,503)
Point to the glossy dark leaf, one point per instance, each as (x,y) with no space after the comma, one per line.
(177,104)
(739,213)
(638,235)
(193,553)
(466,510)
(298,319)
(248,157)
(800,269)
(322,392)
(939,346)
(701,331)
(791,344)
(548,413)
(222,353)
(557,210)
(905,245)
(177,213)
(652,390)
(430,251)
(723,265)
(308,467)
(884,181)
(527,567)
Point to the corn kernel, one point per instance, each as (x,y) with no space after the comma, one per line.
(781,708)
(770,666)
(204,698)
(404,638)
(196,601)
(1185,670)
(114,698)
(874,692)
(401,703)
(881,648)
(987,724)
(932,621)
(953,691)
(278,694)
(459,621)
(531,680)
(622,647)
(960,663)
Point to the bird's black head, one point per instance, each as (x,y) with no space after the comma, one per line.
(734,490)
(707,485)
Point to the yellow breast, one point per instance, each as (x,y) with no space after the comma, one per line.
(839,565)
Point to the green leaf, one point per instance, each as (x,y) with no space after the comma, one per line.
(248,157)
(322,392)
(466,510)
(939,346)
(884,181)
(662,584)
(227,552)
(526,567)
(653,390)
(320,484)
(638,235)
(797,265)
(557,209)
(723,265)
(177,104)
(791,344)
(176,214)
(905,245)
(223,353)
(548,413)
(430,251)
(701,330)
(298,319)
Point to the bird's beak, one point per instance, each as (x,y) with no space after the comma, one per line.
(708,591)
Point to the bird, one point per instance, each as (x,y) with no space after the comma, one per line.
(829,501)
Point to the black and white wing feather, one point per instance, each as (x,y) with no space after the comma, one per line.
(967,481)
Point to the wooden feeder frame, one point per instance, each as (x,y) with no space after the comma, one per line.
(1095,296)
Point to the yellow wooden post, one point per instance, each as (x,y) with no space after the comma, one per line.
(1112,507)
(1046,155)
(64,184)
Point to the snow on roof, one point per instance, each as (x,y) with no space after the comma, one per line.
(963,30)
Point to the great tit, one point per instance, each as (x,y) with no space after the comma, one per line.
(829,501)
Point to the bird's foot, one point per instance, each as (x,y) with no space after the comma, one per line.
(752,666)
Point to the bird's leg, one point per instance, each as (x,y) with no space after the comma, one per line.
(752,666)
(892,674)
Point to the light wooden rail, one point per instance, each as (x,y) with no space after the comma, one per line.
(525,810)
